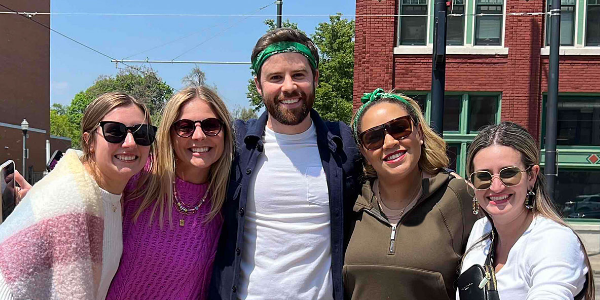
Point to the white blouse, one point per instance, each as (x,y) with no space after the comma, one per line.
(546,262)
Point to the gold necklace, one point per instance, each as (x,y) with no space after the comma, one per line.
(184,209)
(401,213)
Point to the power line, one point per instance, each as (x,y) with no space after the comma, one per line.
(218,33)
(33,14)
(184,37)
(61,34)
(205,62)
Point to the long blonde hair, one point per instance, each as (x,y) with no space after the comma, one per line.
(433,151)
(157,186)
(512,135)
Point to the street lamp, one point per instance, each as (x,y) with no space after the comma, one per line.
(24,127)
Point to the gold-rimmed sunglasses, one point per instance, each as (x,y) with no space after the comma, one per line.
(509,176)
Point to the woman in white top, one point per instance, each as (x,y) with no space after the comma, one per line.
(536,255)
(64,240)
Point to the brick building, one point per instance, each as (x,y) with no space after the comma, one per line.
(497,69)
(25,87)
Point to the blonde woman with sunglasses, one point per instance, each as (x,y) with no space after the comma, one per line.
(535,254)
(63,241)
(172,211)
(410,224)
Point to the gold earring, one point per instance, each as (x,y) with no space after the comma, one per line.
(475,206)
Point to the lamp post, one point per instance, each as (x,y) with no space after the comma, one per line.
(24,127)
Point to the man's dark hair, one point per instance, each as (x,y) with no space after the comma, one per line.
(284,35)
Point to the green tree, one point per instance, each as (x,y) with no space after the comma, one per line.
(60,124)
(244,113)
(196,77)
(143,84)
(335,41)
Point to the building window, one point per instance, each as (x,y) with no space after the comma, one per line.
(456,23)
(592,35)
(421,99)
(482,112)
(578,121)
(567,22)
(413,22)
(577,193)
(488,22)
(464,115)
(453,155)
(452,105)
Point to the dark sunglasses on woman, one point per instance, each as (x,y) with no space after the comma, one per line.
(398,128)
(115,132)
(509,176)
(185,128)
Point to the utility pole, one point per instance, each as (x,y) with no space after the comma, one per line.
(279,4)
(550,171)
(438,69)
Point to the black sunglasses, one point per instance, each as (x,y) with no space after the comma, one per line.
(398,128)
(185,128)
(510,176)
(115,132)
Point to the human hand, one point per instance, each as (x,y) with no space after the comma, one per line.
(23,187)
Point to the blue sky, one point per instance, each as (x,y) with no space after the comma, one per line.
(74,68)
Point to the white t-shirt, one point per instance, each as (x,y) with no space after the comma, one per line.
(546,262)
(112,240)
(287,235)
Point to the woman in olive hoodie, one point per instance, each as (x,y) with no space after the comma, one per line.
(411,223)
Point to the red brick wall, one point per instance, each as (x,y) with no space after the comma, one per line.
(521,76)
(25,82)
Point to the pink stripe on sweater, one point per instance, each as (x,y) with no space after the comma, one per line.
(51,243)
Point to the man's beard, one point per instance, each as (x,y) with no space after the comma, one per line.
(290,116)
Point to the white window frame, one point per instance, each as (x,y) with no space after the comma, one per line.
(469,49)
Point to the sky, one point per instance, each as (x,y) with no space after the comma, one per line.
(74,68)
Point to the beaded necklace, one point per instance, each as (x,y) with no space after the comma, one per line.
(182,208)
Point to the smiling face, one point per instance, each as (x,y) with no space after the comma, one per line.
(287,86)
(503,203)
(195,154)
(396,159)
(117,163)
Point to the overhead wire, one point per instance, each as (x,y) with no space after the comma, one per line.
(32,14)
(184,37)
(218,33)
(61,34)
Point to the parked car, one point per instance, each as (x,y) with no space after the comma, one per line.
(582,204)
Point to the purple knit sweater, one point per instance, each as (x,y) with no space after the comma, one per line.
(170,263)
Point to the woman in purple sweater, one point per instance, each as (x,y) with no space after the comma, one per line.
(171,214)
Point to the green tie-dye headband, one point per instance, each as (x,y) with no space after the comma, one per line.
(282,47)
(374,96)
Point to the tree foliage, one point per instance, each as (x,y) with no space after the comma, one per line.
(196,77)
(143,84)
(244,113)
(335,41)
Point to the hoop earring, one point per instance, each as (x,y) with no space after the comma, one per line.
(475,206)
(530,200)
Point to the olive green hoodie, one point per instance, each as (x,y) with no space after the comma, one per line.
(419,257)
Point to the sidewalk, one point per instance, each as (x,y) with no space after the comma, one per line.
(595,262)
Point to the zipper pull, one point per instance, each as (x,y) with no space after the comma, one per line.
(485,280)
(393,240)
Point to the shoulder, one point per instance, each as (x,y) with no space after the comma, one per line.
(552,236)
(460,187)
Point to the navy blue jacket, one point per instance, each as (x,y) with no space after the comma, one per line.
(340,158)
